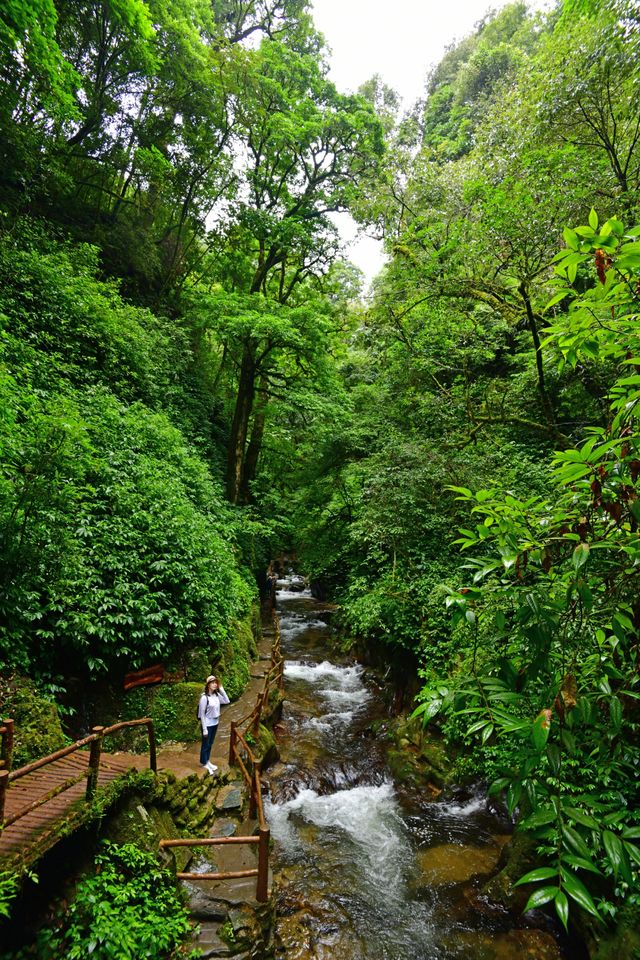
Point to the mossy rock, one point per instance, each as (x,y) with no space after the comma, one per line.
(37,726)
(415,758)
(273,710)
(517,858)
(171,706)
(266,747)
(236,654)
(620,943)
(146,825)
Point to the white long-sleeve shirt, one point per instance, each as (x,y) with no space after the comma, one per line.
(209,709)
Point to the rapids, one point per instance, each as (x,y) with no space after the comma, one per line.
(363,869)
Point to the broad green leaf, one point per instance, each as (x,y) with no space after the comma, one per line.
(540,897)
(633,851)
(466,494)
(486,733)
(580,555)
(498,786)
(573,838)
(615,713)
(580,817)
(578,892)
(562,908)
(581,863)
(539,818)
(514,793)
(540,730)
(557,299)
(540,873)
(613,848)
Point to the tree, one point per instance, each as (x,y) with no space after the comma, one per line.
(306,148)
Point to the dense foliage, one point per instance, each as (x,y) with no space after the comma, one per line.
(129,910)
(168,172)
(493,372)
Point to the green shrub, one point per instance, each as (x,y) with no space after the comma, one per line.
(130,910)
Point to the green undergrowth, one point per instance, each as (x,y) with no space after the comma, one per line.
(129,910)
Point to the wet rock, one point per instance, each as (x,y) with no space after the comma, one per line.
(516,859)
(245,925)
(455,863)
(204,906)
(229,798)
(311,935)
(289,901)
(224,828)
(523,944)
(266,747)
(210,944)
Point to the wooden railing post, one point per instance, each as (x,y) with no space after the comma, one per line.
(256,722)
(94,762)
(262,886)
(153,763)
(255,787)
(4,783)
(232,743)
(7,743)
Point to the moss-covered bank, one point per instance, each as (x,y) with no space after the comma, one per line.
(37,726)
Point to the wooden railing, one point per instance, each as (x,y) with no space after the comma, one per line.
(6,745)
(273,678)
(93,741)
(241,754)
(261,872)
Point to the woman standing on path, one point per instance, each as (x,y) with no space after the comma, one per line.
(211,700)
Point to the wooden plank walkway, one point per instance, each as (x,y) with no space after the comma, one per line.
(33,834)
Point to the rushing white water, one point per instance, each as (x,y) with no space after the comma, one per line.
(340,690)
(364,820)
(292,588)
(461,808)
(294,624)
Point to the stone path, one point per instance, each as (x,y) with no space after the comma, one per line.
(228,905)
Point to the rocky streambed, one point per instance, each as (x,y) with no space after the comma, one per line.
(365,868)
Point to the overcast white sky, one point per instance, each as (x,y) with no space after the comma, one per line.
(400,40)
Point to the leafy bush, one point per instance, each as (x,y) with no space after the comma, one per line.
(130,910)
(37,727)
(117,547)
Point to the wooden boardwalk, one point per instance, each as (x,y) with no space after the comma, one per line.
(36,831)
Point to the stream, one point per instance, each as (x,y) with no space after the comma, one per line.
(364,869)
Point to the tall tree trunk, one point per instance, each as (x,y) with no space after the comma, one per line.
(255,444)
(240,425)
(542,389)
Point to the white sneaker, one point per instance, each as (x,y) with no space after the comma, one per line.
(211,767)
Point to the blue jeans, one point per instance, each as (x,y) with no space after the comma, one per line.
(207,743)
